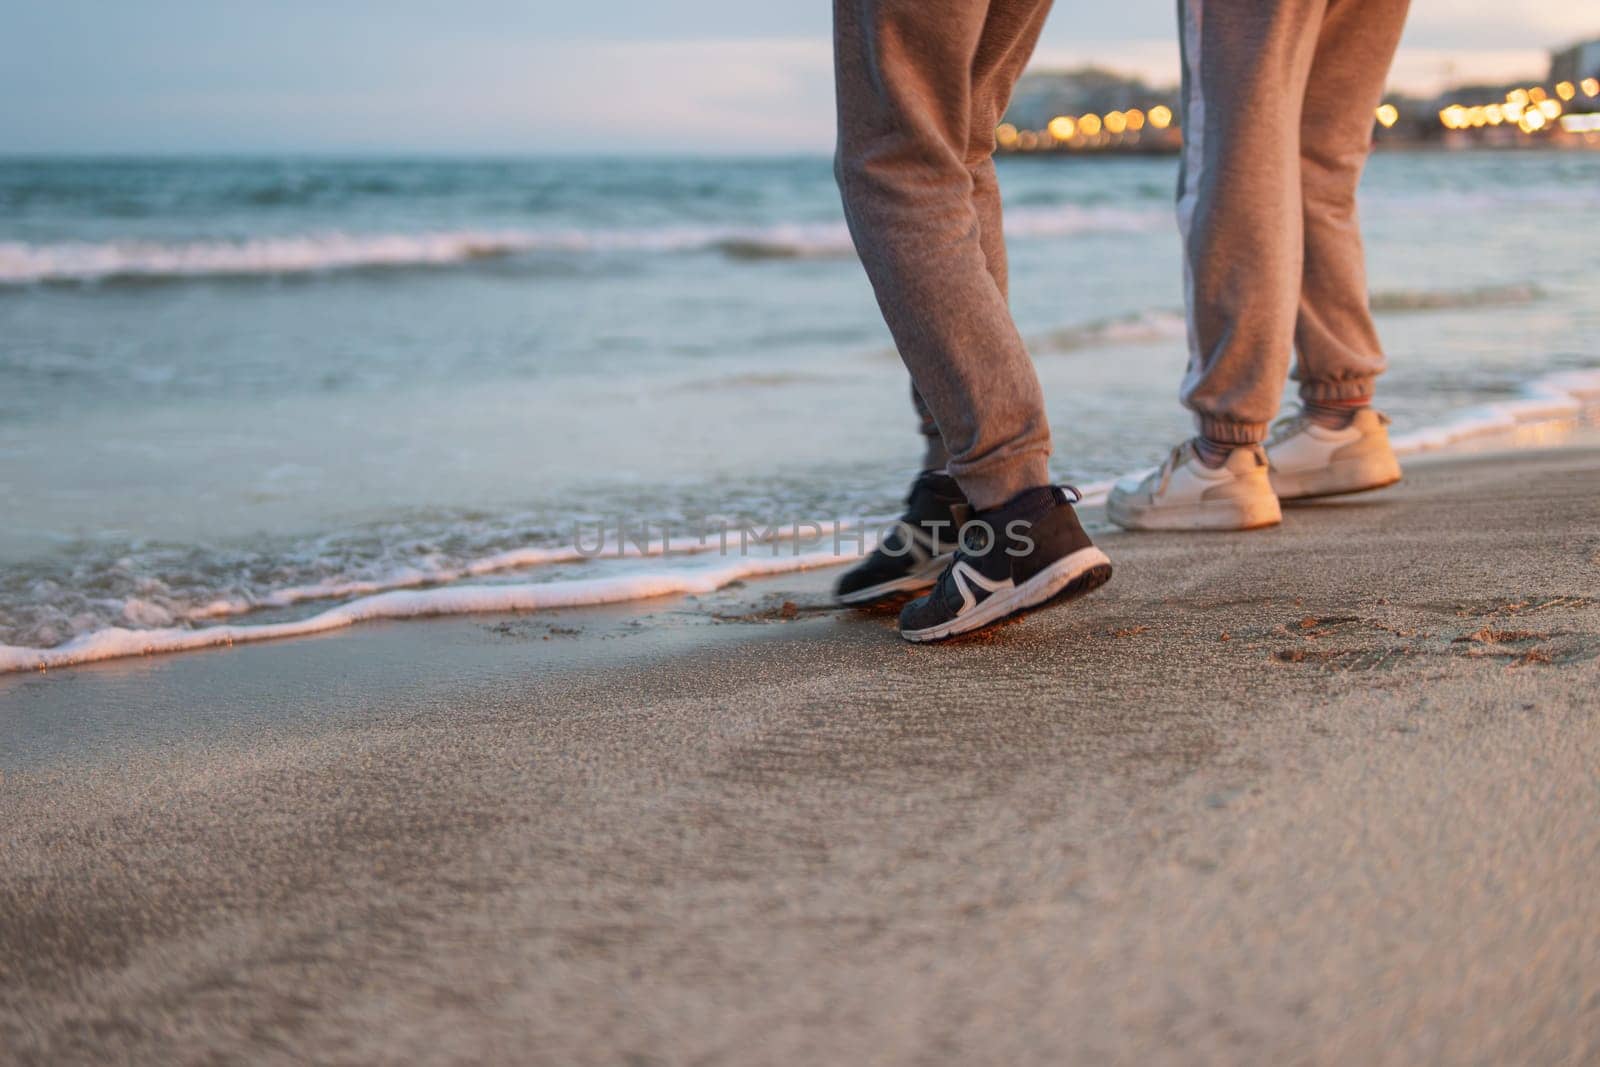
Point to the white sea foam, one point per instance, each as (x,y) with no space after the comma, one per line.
(83,261)
(116,643)
(23,263)
(516,559)
(1554,401)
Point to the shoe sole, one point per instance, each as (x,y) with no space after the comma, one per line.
(1206,515)
(1336,479)
(911,583)
(1066,579)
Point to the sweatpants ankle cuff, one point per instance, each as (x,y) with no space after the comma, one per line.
(1347,389)
(1226,431)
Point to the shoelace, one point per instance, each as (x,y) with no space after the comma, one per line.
(1170,465)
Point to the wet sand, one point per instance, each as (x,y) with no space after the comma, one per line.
(1326,793)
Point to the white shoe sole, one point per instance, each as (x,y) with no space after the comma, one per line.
(1200,515)
(911,583)
(1070,576)
(1360,475)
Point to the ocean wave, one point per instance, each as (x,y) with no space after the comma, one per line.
(119,642)
(1151,326)
(1547,403)
(75,261)
(1566,397)
(1155,325)
(66,262)
(1512,295)
(1144,327)
(515,559)
(152,586)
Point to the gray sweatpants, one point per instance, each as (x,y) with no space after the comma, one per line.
(1278,103)
(921,86)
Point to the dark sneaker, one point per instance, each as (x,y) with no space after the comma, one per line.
(909,558)
(1021,555)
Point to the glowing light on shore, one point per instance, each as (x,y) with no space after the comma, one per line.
(1495,114)
(1477,117)
(1591,86)
(1454,117)
(1093,130)
(1581,123)
(1537,95)
(1566,90)
(1518,97)
(1387,115)
(1550,108)
(1532,120)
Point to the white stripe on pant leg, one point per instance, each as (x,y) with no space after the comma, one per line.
(1194,123)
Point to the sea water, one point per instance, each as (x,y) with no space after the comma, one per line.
(245,393)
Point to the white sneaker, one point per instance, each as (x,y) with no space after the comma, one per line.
(1311,460)
(1184,494)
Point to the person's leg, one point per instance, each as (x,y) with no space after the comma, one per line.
(988,107)
(921,85)
(1245,70)
(1338,444)
(1245,66)
(916,80)
(1339,355)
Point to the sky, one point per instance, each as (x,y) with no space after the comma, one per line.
(520,76)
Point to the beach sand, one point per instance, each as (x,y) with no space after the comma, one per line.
(1326,793)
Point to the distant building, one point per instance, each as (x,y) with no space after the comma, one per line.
(1092,109)
(1043,94)
(1576,63)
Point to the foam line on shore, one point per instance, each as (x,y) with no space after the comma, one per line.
(117,643)
(1553,400)
(516,559)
